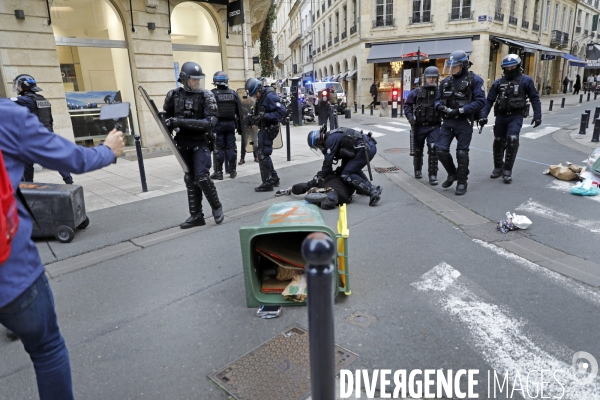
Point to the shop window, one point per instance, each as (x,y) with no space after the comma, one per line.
(94,64)
(195,38)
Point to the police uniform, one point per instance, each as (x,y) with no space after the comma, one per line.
(509,98)
(39,106)
(194,115)
(462,99)
(351,147)
(340,192)
(420,107)
(273,111)
(228,102)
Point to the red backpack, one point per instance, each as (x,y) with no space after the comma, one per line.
(9,218)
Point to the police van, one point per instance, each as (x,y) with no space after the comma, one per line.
(313,89)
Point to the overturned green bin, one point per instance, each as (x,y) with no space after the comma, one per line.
(277,241)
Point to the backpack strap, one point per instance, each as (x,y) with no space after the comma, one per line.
(24,202)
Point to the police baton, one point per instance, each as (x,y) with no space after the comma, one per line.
(412,141)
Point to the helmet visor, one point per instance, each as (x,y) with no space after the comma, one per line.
(194,83)
(454,68)
(430,80)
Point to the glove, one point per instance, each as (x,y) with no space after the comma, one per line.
(255,119)
(452,113)
(482,122)
(411,120)
(442,108)
(536,122)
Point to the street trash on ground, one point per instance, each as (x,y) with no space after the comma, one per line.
(565,173)
(593,161)
(296,290)
(589,186)
(513,222)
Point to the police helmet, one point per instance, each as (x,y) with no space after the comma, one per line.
(191,77)
(431,72)
(315,140)
(27,83)
(253,85)
(220,78)
(510,60)
(457,58)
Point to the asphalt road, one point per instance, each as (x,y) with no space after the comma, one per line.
(155,322)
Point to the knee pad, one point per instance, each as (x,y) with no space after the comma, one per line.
(189,179)
(202,178)
(512,141)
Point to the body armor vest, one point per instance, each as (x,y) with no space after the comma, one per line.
(457,97)
(424,108)
(43,109)
(188,105)
(226,103)
(348,144)
(511,97)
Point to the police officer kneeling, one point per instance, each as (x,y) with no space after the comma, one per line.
(225,149)
(462,99)
(352,147)
(192,113)
(425,121)
(268,111)
(510,94)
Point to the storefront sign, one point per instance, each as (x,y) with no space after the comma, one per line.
(235,12)
(407,78)
(482,18)
(593,64)
(548,57)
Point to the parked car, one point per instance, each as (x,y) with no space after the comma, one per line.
(313,89)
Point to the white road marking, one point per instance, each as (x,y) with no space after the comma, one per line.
(400,123)
(584,292)
(502,339)
(373,133)
(537,132)
(562,218)
(390,128)
(564,186)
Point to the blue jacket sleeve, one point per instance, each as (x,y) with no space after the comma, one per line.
(533,95)
(25,101)
(409,103)
(332,145)
(274,112)
(478,101)
(491,98)
(51,151)
(440,88)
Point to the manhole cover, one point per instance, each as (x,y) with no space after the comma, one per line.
(396,150)
(277,369)
(382,170)
(361,319)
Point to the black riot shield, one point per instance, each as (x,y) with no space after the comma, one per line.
(163,128)
(249,133)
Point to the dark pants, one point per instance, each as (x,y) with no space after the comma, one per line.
(507,125)
(353,168)
(459,128)
(226,150)
(32,317)
(426,133)
(196,155)
(28,175)
(265,147)
(373,103)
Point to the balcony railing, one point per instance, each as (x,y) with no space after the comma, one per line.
(423,19)
(578,29)
(314,52)
(525,24)
(344,35)
(457,16)
(565,40)
(536,27)
(323,47)
(586,32)
(559,39)
(336,39)
(319,50)
(353,30)
(329,43)
(278,58)
(498,16)
(512,20)
(383,22)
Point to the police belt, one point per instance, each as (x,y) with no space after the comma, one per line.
(513,112)
(428,123)
(192,137)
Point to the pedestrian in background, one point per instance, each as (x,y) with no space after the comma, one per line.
(26,301)
(565,84)
(373,91)
(577,85)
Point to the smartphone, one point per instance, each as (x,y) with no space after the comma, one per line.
(272,311)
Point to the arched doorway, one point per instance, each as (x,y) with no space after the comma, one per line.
(94,64)
(195,37)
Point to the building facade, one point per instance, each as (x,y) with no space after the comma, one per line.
(87,53)
(307,41)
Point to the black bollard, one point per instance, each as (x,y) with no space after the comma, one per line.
(355,108)
(562,104)
(372,107)
(140,157)
(595,95)
(363,108)
(588,112)
(596,134)
(551,104)
(583,124)
(596,114)
(589,94)
(580,98)
(318,249)
(287,139)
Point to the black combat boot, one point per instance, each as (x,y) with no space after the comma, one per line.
(418,163)
(462,171)
(446,159)
(498,152)
(512,146)
(218,174)
(275,180)
(210,192)
(232,171)
(365,188)
(265,175)
(433,164)
(194,196)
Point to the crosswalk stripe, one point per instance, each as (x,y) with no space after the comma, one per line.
(566,187)
(399,123)
(503,340)
(557,216)
(373,133)
(534,134)
(390,128)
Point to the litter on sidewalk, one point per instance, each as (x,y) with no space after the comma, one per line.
(569,172)
(513,222)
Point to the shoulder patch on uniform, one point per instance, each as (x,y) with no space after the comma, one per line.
(13,98)
(278,104)
(328,151)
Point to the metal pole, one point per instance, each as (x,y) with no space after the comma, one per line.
(595,95)
(588,112)
(140,157)
(580,98)
(583,124)
(589,94)
(355,108)
(287,139)
(372,106)
(318,250)
(551,103)
(418,63)
(596,134)
(596,114)
(562,104)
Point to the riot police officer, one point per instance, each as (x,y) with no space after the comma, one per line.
(462,99)
(352,147)
(26,86)
(192,112)
(425,121)
(510,94)
(227,102)
(268,112)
